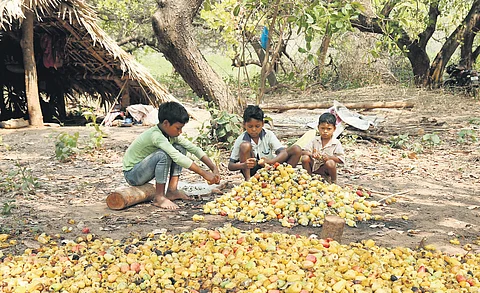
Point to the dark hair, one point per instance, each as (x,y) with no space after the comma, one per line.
(172,112)
(253,112)
(328,118)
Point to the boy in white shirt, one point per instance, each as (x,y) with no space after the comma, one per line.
(258,146)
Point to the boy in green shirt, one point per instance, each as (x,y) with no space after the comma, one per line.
(160,151)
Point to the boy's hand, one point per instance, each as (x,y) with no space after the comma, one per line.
(216,173)
(315,154)
(217,176)
(265,161)
(211,178)
(251,162)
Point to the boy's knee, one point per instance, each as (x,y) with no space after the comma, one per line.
(160,156)
(180,148)
(331,164)
(245,147)
(295,150)
(306,159)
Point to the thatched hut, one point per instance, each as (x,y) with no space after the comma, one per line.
(74,57)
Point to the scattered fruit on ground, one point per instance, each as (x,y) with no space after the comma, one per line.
(455,241)
(231,260)
(198,218)
(293,197)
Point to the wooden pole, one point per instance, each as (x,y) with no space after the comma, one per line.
(125,97)
(125,92)
(333,228)
(31,81)
(128,196)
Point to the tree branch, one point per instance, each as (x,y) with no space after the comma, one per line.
(373,25)
(138,40)
(240,63)
(195,4)
(367,24)
(475,53)
(389,7)
(433,14)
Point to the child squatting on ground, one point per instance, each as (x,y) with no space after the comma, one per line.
(160,152)
(257,146)
(323,153)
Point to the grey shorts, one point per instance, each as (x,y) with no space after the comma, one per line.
(157,165)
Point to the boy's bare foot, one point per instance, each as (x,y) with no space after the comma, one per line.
(164,203)
(177,194)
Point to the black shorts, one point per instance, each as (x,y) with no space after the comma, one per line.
(255,169)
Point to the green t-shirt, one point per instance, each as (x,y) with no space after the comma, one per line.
(153,139)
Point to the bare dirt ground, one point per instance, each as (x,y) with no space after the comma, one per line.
(438,191)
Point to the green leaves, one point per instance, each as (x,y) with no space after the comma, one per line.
(66,146)
(467,135)
(18,179)
(231,17)
(431,139)
(7,207)
(126,18)
(400,141)
(223,128)
(236,10)
(225,21)
(96,137)
(220,132)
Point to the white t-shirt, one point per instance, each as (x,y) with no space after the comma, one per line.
(268,145)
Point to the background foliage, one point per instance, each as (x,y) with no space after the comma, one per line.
(226,31)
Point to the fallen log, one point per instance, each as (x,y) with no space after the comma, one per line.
(367,136)
(128,196)
(14,123)
(333,228)
(361,105)
(290,134)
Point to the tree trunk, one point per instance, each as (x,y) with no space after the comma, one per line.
(467,55)
(466,50)
(416,54)
(172,24)
(267,64)
(31,81)
(322,51)
(459,36)
(420,62)
(272,78)
(476,52)
(333,228)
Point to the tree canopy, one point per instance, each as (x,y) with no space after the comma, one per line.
(409,26)
(297,35)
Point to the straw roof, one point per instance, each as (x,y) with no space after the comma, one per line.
(93,63)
